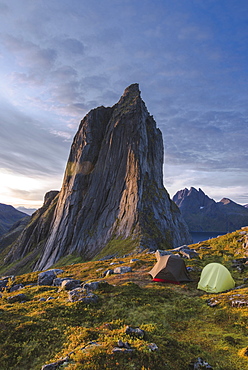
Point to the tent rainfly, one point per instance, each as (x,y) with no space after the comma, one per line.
(215,278)
(169,269)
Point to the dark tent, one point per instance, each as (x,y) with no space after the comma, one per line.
(169,269)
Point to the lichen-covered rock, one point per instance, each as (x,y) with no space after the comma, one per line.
(82,295)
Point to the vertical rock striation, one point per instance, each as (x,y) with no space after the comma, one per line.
(113,186)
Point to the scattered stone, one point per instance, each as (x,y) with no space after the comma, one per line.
(118,349)
(89,345)
(121,344)
(122,270)
(152,347)
(46,277)
(42,299)
(17,298)
(15,287)
(92,286)
(239,303)
(70,284)
(56,364)
(134,260)
(189,253)
(58,281)
(81,295)
(50,298)
(162,252)
(3,284)
(198,364)
(212,302)
(108,272)
(135,332)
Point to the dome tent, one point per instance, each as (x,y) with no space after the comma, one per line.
(169,269)
(215,278)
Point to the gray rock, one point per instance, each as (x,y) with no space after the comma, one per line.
(135,332)
(47,277)
(198,364)
(70,284)
(134,260)
(108,272)
(16,287)
(17,298)
(58,281)
(118,349)
(92,286)
(152,347)
(3,284)
(189,253)
(96,285)
(55,365)
(122,269)
(81,295)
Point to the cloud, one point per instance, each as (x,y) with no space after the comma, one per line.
(72,46)
(28,148)
(29,54)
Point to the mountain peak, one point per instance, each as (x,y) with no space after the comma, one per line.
(112,190)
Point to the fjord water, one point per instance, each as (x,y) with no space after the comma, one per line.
(201,236)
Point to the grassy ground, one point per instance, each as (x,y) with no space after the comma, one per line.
(176,318)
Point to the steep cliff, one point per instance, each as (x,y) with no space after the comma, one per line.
(112,187)
(203,214)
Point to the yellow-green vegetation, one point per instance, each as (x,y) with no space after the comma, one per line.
(176,318)
(118,247)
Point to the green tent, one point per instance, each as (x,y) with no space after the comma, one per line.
(215,278)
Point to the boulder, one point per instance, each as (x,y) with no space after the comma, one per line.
(17,298)
(199,363)
(122,270)
(47,277)
(16,287)
(135,332)
(70,284)
(81,295)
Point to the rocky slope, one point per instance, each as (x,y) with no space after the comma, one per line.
(203,214)
(8,216)
(112,190)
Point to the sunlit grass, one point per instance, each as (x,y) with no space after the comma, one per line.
(174,317)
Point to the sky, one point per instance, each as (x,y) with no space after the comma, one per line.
(61,58)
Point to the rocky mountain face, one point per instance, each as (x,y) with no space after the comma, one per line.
(203,214)
(8,216)
(112,189)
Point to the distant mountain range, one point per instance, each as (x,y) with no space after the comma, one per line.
(8,217)
(28,211)
(203,214)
